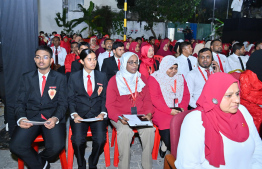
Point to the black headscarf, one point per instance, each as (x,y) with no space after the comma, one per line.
(255,63)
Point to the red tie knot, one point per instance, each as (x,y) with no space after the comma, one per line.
(44,77)
(88,76)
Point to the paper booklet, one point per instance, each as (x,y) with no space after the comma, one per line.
(91,119)
(36,123)
(136,121)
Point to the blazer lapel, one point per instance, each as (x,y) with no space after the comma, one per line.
(82,86)
(115,67)
(36,84)
(49,81)
(94,94)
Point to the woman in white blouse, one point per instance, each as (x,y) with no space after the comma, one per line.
(220,133)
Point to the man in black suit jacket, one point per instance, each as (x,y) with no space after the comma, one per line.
(112,65)
(87,97)
(41,97)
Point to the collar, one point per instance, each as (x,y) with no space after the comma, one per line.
(183,56)
(40,74)
(204,70)
(85,73)
(234,55)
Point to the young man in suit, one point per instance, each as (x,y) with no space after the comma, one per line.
(87,97)
(41,97)
(112,65)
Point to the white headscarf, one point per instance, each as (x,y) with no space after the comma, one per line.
(180,40)
(166,82)
(208,44)
(198,47)
(130,78)
(246,43)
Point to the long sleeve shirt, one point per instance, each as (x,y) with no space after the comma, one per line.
(234,62)
(183,64)
(223,60)
(102,56)
(61,55)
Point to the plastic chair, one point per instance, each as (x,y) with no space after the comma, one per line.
(70,151)
(62,155)
(116,153)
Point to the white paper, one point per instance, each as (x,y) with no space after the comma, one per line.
(134,121)
(36,123)
(91,119)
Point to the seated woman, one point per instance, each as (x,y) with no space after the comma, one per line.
(127,45)
(135,48)
(93,43)
(197,48)
(168,89)
(251,88)
(148,64)
(164,48)
(87,98)
(220,133)
(128,90)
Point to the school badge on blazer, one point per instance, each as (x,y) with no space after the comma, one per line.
(52,92)
(100,88)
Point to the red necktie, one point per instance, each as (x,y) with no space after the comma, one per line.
(56,56)
(220,63)
(89,86)
(118,64)
(109,54)
(208,73)
(43,85)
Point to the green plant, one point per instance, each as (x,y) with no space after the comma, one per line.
(61,22)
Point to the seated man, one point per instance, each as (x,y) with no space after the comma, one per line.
(197,78)
(237,60)
(107,54)
(87,98)
(41,97)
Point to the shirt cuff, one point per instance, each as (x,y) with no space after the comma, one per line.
(72,115)
(19,120)
(105,114)
(57,119)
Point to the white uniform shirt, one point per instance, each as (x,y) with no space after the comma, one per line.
(191,146)
(183,64)
(237,5)
(102,56)
(61,55)
(195,83)
(234,62)
(224,61)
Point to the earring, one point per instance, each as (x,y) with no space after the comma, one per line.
(214,101)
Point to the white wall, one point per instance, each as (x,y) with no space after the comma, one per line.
(47,10)
(112,3)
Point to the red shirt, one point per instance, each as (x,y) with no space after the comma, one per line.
(118,105)
(68,61)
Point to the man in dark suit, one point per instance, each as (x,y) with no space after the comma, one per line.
(41,97)
(87,97)
(112,65)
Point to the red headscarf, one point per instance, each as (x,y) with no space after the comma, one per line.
(125,43)
(100,49)
(67,44)
(215,121)
(225,52)
(147,64)
(161,49)
(132,48)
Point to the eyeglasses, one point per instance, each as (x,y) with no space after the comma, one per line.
(132,62)
(44,58)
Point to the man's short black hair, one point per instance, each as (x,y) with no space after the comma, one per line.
(54,32)
(138,38)
(182,46)
(83,44)
(116,45)
(41,32)
(204,50)
(151,37)
(45,48)
(215,40)
(107,40)
(74,43)
(85,52)
(56,37)
(237,46)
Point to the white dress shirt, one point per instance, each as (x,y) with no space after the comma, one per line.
(234,62)
(195,83)
(61,55)
(237,5)
(102,56)
(183,64)
(237,155)
(92,78)
(224,61)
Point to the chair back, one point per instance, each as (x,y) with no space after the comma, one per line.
(175,127)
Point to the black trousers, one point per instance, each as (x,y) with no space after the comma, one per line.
(78,138)
(165,136)
(22,139)
(236,14)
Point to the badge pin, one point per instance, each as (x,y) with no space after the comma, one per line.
(51,93)
(100,89)
(100,84)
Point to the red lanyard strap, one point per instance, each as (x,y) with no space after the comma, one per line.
(174,89)
(133,96)
(202,73)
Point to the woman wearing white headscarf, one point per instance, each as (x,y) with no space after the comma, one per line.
(126,90)
(198,47)
(168,89)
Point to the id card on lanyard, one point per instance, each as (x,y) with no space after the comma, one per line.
(133,95)
(174,90)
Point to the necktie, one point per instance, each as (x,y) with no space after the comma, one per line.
(109,54)
(56,56)
(220,63)
(89,86)
(240,60)
(43,85)
(208,73)
(189,64)
(118,64)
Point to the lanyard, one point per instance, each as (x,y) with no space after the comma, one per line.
(203,73)
(133,95)
(174,89)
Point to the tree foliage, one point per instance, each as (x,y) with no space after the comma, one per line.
(61,22)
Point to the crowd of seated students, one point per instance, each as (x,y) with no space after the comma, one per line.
(159,79)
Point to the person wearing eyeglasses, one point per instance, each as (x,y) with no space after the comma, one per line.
(128,93)
(42,98)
